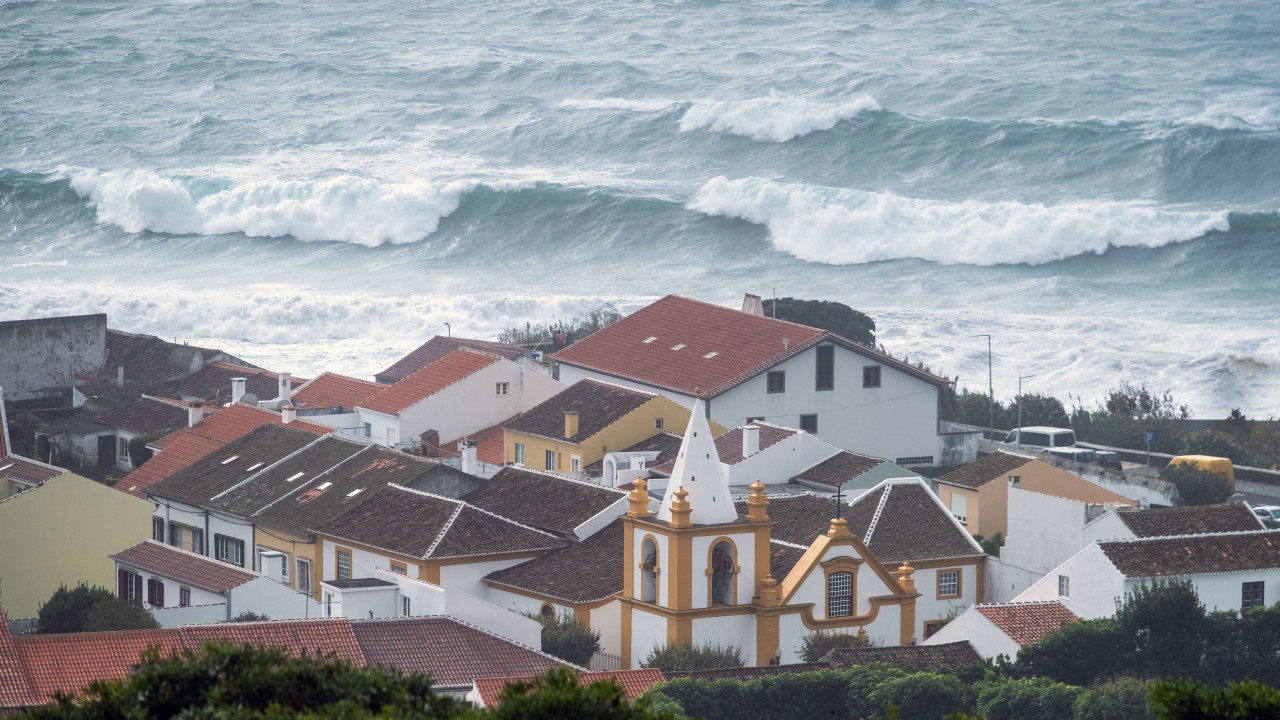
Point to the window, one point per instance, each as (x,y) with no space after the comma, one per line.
(129,586)
(124,449)
(551,459)
(404,605)
(502,388)
(755,418)
(157,529)
(519,453)
(547,611)
(398,568)
(1064,586)
(344,564)
(948,583)
(368,429)
(155,592)
(649,571)
(777,381)
(722,574)
(1251,595)
(840,594)
(228,550)
(871,376)
(184,597)
(391,437)
(575,463)
(931,627)
(914,460)
(657,423)
(328,604)
(825,377)
(187,538)
(809,423)
(960,507)
(304,575)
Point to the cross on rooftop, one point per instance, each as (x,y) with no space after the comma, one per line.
(839,499)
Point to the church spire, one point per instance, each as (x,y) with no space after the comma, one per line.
(699,472)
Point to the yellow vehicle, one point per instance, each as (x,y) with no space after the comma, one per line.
(1216,465)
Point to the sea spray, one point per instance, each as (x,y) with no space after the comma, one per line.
(774,118)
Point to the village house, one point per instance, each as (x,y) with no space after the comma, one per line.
(439,346)
(39,358)
(1003,628)
(563,506)
(750,367)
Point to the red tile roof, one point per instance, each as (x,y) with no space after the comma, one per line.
(332,390)
(239,420)
(68,663)
(633,682)
(452,368)
(182,450)
(28,471)
(489,448)
(187,567)
(295,637)
(1027,623)
(439,346)
(681,344)
(15,686)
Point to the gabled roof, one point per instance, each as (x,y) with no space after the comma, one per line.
(183,450)
(924,658)
(979,473)
(28,471)
(1026,623)
(15,687)
(439,346)
(68,663)
(295,637)
(448,370)
(598,405)
(257,489)
(633,682)
(239,420)
(230,465)
(330,390)
(1190,520)
(1194,554)
(681,344)
(584,572)
(82,424)
(421,525)
(183,566)
(145,416)
(839,469)
(489,448)
(729,445)
(553,503)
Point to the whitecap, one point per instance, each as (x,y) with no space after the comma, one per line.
(615,103)
(774,118)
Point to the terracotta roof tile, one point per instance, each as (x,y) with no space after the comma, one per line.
(145,416)
(585,571)
(182,450)
(924,658)
(979,473)
(28,471)
(68,663)
(448,370)
(839,469)
(452,653)
(1194,554)
(333,390)
(187,567)
(633,682)
(239,420)
(439,346)
(1190,520)
(553,503)
(598,405)
(1027,623)
(489,444)
(16,690)
(682,344)
(295,637)
(784,557)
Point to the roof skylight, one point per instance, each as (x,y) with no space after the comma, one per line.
(231,459)
(254,466)
(711,354)
(649,339)
(294,476)
(678,347)
(323,486)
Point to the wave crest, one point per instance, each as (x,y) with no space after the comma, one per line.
(345,208)
(844,227)
(772,119)
(615,103)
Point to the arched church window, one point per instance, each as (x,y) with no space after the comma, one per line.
(722,574)
(840,594)
(547,611)
(649,571)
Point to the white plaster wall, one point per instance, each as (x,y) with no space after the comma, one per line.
(1107,527)
(648,632)
(268,597)
(791,635)
(744,564)
(193,615)
(929,607)
(1095,585)
(869,584)
(171,588)
(780,462)
(731,630)
(379,423)
(607,620)
(986,638)
(364,563)
(348,421)
(424,597)
(1044,532)
(488,616)
(226,526)
(886,629)
(1005,582)
(183,514)
(1223,591)
(597,522)
(365,603)
(469,577)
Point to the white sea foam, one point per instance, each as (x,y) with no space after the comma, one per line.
(614,103)
(774,118)
(842,227)
(345,208)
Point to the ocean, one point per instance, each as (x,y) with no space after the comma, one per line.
(323,185)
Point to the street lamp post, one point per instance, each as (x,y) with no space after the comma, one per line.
(1024,377)
(450,329)
(991,391)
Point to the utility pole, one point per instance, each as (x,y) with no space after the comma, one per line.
(449,328)
(1024,377)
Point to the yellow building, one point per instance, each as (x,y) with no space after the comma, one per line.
(588,419)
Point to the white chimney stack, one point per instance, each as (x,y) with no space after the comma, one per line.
(288,414)
(286,388)
(237,389)
(752,305)
(272,565)
(195,413)
(750,440)
(470,463)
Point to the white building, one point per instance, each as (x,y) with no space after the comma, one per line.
(1004,628)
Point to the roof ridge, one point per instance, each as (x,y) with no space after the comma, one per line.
(1194,536)
(270,467)
(1019,603)
(557,476)
(445,530)
(875,519)
(300,486)
(598,381)
(786,543)
(490,633)
(167,401)
(464,504)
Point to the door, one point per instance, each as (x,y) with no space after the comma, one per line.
(106,450)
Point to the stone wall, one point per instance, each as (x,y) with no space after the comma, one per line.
(39,358)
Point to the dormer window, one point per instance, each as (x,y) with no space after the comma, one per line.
(678,347)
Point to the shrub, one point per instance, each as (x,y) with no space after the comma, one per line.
(249,616)
(1030,699)
(65,610)
(1196,486)
(688,658)
(567,639)
(1122,699)
(921,695)
(139,453)
(558,694)
(816,645)
(1079,654)
(1186,700)
(116,614)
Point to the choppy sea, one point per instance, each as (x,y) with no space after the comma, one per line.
(323,185)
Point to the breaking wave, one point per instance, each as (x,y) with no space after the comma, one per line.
(842,227)
(615,103)
(772,119)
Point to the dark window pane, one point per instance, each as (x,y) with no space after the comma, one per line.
(809,423)
(826,376)
(871,376)
(777,381)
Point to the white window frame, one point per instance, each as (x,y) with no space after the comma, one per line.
(948,588)
(575,463)
(1064,586)
(519,453)
(502,388)
(840,605)
(228,549)
(303,563)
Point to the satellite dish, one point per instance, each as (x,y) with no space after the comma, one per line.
(249,399)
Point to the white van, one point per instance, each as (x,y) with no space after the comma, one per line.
(1041,438)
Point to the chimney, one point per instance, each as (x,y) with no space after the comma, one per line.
(120,375)
(286,389)
(570,424)
(272,565)
(752,305)
(237,389)
(195,413)
(288,414)
(750,440)
(1015,481)
(470,465)
(430,443)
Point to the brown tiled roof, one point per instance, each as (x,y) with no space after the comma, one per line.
(448,370)
(183,450)
(548,502)
(439,346)
(187,567)
(598,405)
(15,687)
(979,473)
(666,444)
(68,663)
(584,572)
(489,448)
(330,390)
(145,416)
(784,557)
(839,469)
(229,465)
(28,471)
(295,637)
(422,525)
(741,345)
(924,658)
(239,420)
(453,653)
(1190,520)
(1194,554)
(743,674)
(633,682)
(729,445)
(1027,622)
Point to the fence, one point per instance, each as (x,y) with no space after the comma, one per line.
(604,661)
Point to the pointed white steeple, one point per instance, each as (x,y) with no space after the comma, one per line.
(699,472)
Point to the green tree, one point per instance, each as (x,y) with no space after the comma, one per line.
(922,695)
(1167,627)
(1187,700)
(687,658)
(827,315)
(1122,699)
(116,614)
(1196,486)
(1080,653)
(139,453)
(991,545)
(817,644)
(567,639)
(65,611)
(1029,699)
(558,694)
(249,616)
(1041,410)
